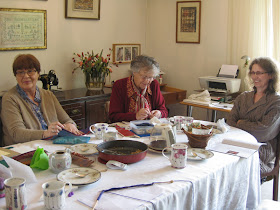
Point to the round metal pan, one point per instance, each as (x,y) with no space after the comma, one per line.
(122,151)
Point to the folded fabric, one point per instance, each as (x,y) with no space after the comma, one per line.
(203,96)
(61,133)
(71,140)
(40,159)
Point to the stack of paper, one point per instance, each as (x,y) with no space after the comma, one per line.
(236,147)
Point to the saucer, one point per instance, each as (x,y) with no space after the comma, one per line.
(69,175)
(202,154)
(84,149)
(157,145)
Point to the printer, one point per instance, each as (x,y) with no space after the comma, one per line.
(225,82)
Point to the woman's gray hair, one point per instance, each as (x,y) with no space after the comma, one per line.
(272,68)
(143,61)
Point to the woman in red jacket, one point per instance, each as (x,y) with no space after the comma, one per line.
(138,97)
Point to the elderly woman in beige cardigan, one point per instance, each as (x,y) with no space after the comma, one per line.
(28,112)
(258,111)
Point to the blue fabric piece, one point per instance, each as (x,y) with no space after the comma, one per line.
(141,135)
(71,140)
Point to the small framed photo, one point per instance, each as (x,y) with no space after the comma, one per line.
(85,9)
(23,29)
(125,53)
(188,22)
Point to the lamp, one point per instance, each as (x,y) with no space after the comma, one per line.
(247,58)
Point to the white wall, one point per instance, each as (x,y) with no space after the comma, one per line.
(184,62)
(121,21)
(152,23)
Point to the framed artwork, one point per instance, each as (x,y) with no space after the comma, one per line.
(125,53)
(23,29)
(85,9)
(188,21)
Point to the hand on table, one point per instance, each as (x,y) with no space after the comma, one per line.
(53,129)
(142,114)
(72,128)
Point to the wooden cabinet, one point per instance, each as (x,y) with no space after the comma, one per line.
(172,95)
(96,111)
(77,113)
(85,107)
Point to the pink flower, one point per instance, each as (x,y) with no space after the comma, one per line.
(176,155)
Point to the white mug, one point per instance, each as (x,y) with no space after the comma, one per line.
(54,194)
(178,158)
(99,129)
(15,193)
(179,121)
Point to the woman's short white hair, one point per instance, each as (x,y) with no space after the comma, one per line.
(143,61)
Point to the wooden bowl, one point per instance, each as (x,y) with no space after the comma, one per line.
(197,141)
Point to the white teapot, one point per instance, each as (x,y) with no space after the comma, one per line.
(60,160)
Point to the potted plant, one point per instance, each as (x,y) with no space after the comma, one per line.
(95,68)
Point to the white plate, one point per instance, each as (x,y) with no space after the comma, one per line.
(85,149)
(69,175)
(202,154)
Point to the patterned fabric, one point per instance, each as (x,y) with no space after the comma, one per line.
(36,109)
(138,100)
(262,120)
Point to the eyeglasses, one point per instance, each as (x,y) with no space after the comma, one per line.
(29,72)
(258,73)
(146,78)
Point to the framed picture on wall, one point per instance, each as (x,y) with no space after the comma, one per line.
(23,29)
(85,9)
(125,53)
(188,15)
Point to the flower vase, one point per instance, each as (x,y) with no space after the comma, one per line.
(94,83)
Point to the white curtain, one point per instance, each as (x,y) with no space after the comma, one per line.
(253,30)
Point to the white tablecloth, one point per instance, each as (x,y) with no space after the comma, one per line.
(221,182)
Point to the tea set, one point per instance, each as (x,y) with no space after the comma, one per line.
(162,139)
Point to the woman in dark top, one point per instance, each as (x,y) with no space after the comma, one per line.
(258,111)
(138,97)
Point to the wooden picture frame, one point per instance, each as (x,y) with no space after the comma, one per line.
(188,18)
(84,9)
(23,29)
(125,53)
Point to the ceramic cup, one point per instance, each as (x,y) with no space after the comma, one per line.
(15,193)
(99,129)
(60,160)
(180,122)
(54,194)
(178,158)
(110,136)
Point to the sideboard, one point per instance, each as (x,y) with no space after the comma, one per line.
(85,107)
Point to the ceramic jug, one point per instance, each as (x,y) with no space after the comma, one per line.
(165,132)
(60,160)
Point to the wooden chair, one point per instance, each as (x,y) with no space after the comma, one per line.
(275,171)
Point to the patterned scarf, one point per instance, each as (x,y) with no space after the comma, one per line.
(138,100)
